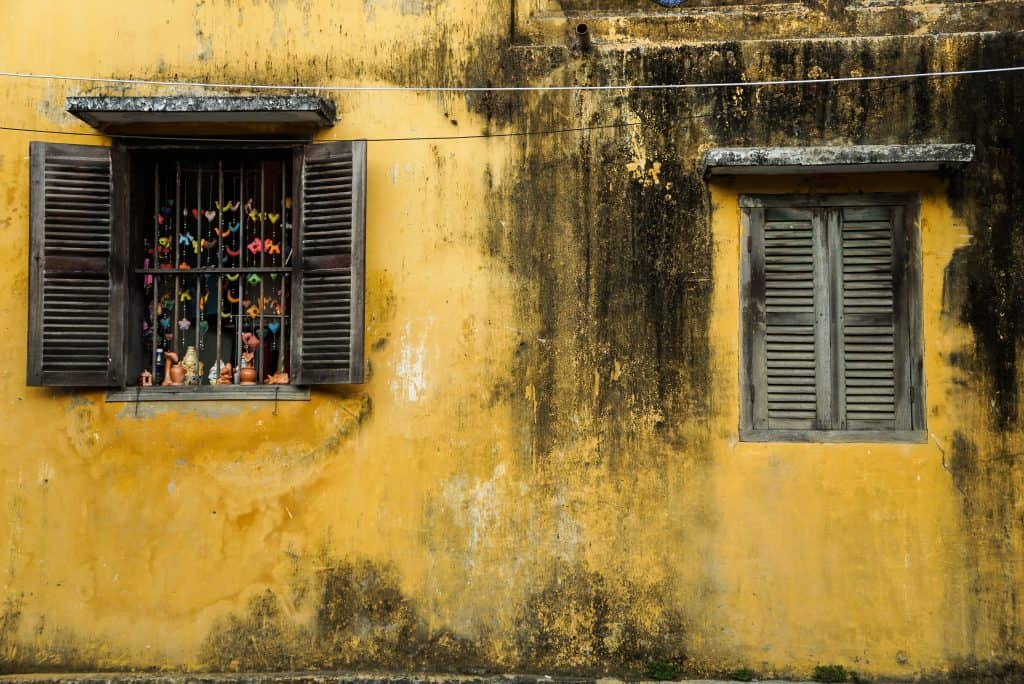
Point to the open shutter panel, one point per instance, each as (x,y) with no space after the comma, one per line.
(329,280)
(784,245)
(873,362)
(75,294)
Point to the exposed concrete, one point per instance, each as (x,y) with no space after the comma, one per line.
(107,113)
(833,159)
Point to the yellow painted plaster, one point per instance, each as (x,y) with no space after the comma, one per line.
(845,552)
(130,536)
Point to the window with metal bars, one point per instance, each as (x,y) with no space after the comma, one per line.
(831,345)
(214,270)
(199,270)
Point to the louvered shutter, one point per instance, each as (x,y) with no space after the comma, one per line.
(785,306)
(874,369)
(831,319)
(75,289)
(327,334)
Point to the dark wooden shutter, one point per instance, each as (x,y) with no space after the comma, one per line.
(327,342)
(875,381)
(75,289)
(785,362)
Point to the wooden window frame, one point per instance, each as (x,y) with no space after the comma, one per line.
(908,312)
(328,187)
(129,222)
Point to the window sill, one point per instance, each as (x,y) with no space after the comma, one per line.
(835,436)
(211,393)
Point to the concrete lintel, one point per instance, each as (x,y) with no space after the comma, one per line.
(727,161)
(111,113)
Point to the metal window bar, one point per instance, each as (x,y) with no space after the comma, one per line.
(263,212)
(220,259)
(210,181)
(153,316)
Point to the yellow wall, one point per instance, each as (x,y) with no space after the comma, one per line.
(859,544)
(134,534)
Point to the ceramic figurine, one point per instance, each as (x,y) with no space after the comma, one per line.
(226,375)
(191,365)
(247,374)
(173,374)
(145,378)
(278,378)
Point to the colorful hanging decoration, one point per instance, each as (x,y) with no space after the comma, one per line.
(226,207)
(232,252)
(271,247)
(256,246)
(184,324)
(273,218)
(210,214)
(253,311)
(233,298)
(254,279)
(185,296)
(186,239)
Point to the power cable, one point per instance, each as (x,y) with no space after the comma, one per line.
(502,89)
(473,136)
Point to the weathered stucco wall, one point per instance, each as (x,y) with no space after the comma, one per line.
(542,472)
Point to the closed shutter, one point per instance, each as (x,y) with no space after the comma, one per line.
(784,385)
(874,374)
(75,290)
(327,342)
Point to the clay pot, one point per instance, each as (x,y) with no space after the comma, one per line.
(177,375)
(247,376)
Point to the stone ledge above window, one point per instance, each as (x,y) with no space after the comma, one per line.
(132,114)
(737,161)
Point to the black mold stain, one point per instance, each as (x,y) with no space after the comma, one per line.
(362,620)
(60,654)
(582,622)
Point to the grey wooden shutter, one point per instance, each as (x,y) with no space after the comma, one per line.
(75,287)
(875,391)
(328,286)
(785,349)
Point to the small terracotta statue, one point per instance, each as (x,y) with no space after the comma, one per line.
(173,374)
(247,374)
(145,378)
(278,378)
(227,375)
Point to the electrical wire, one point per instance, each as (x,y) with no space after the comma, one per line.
(473,136)
(294,140)
(503,89)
